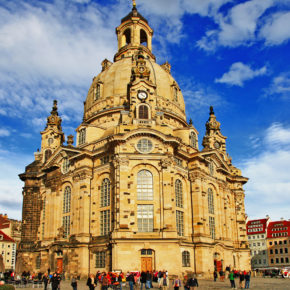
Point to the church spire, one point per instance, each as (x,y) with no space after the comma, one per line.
(213,138)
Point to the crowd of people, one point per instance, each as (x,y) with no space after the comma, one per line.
(138,280)
(243,277)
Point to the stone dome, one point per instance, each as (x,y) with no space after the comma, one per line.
(109,90)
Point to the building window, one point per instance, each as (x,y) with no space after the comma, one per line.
(286,260)
(82,136)
(277,260)
(47,154)
(193,140)
(272,261)
(281,251)
(282,260)
(264,261)
(50,141)
(144,146)
(286,250)
(42,231)
(212,227)
(145,218)
(185,259)
(285,242)
(97,92)
(179,223)
(270,243)
(144,185)
(211,168)
(105,160)
(146,252)
(38,262)
(105,192)
(178,193)
(66,226)
(143,112)
(65,165)
(210,201)
(175,94)
(105,222)
(101,259)
(66,199)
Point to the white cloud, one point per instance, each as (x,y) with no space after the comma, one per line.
(276,30)
(11,164)
(268,190)
(280,86)
(238,27)
(239,73)
(4,133)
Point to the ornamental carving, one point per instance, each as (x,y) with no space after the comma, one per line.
(119,161)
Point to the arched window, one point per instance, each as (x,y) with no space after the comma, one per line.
(178,193)
(66,200)
(143,37)
(193,140)
(143,112)
(211,168)
(105,192)
(47,154)
(82,136)
(65,165)
(210,201)
(175,94)
(144,185)
(185,259)
(97,92)
(127,35)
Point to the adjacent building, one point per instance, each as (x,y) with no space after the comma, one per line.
(7,251)
(135,192)
(278,241)
(257,236)
(11,228)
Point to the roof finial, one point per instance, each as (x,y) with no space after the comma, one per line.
(211,110)
(134,3)
(54,108)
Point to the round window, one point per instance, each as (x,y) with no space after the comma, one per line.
(144,146)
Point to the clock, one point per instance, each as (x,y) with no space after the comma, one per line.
(141,69)
(217,145)
(142,95)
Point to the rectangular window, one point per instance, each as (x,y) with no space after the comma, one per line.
(42,231)
(97,92)
(270,243)
(277,260)
(145,217)
(179,223)
(272,261)
(105,222)
(282,260)
(286,250)
(281,251)
(276,251)
(264,261)
(285,242)
(286,260)
(66,226)
(212,227)
(101,259)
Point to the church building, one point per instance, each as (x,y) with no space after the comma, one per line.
(135,192)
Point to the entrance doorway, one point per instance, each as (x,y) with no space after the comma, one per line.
(147,260)
(146,264)
(59,265)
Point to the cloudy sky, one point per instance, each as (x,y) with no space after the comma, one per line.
(231,54)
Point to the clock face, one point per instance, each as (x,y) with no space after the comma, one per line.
(142,95)
(217,145)
(141,69)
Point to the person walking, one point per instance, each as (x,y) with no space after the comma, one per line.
(242,280)
(215,275)
(131,281)
(193,283)
(55,281)
(164,282)
(74,282)
(45,280)
(247,280)
(176,283)
(148,280)
(91,282)
(232,279)
(143,280)
(105,282)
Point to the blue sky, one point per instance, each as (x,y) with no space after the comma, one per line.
(233,55)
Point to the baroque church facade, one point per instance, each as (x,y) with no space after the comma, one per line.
(135,192)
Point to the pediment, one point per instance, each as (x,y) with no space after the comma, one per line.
(55,160)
